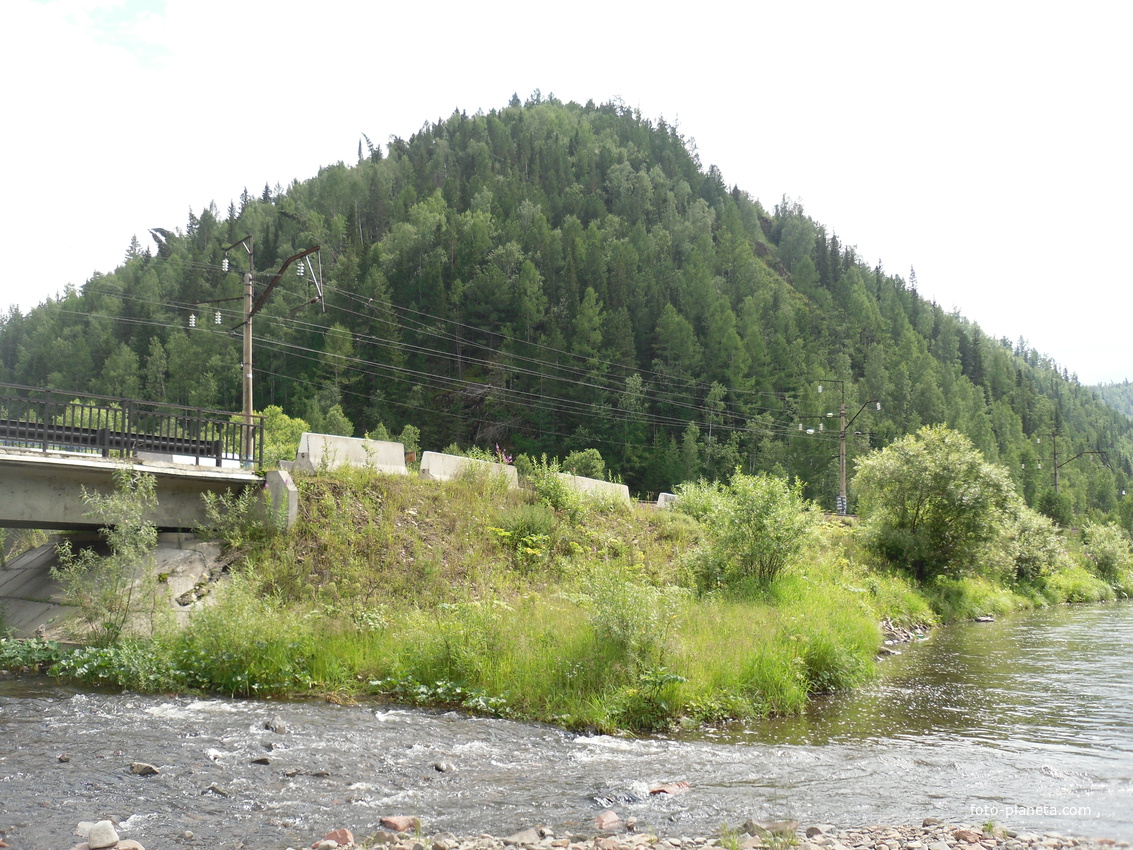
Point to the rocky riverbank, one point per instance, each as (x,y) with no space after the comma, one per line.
(404,833)
(933,834)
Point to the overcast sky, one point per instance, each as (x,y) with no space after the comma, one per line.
(985,144)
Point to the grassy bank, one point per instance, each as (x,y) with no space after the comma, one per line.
(541,605)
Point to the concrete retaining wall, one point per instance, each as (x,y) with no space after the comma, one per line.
(328,451)
(596,487)
(441,467)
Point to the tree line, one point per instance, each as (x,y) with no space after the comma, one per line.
(552,277)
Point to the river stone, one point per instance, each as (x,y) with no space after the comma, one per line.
(400,823)
(608,819)
(342,835)
(525,837)
(141,768)
(939,845)
(819,829)
(785,828)
(101,835)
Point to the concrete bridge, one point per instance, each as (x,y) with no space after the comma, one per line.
(45,490)
(54,444)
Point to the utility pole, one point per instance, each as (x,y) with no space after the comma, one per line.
(1054,449)
(247,444)
(1057,466)
(843,426)
(842,503)
(246,366)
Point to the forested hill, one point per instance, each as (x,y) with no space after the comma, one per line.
(550,277)
(1117,396)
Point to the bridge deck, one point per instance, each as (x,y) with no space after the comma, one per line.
(45,490)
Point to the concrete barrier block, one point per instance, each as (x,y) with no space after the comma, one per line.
(666,500)
(436,466)
(282,496)
(328,451)
(597,487)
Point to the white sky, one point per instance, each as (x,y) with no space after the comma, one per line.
(987,144)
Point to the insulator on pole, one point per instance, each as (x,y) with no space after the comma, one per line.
(217,317)
(192,320)
(224,264)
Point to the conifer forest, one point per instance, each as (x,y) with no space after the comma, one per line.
(551,277)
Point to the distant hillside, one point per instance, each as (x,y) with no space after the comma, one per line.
(551,277)
(1117,396)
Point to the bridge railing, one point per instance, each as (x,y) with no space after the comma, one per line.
(56,420)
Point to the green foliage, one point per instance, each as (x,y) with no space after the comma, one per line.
(968,597)
(587,463)
(1107,547)
(247,644)
(1030,545)
(542,475)
(1057,506)
(144,666)
(281,435)
(931,502)
(758,526)
(27,655)
(104,587)
(1077,584)
(239,519)
(635,619)
(410,437)
(398,587)
(527,531)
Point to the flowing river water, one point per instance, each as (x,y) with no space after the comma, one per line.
(1027,722)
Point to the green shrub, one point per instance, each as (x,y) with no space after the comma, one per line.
(105,587)
(1032,544)
(1057,507)
(931,503)
(526,530)
(137,665)
(542,476)
(237,520)
(1107,547)
(637,620)
(757,525)
(21,655)
(281,435)
(1077,584)
(587,463)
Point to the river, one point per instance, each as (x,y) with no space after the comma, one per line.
(1027,722)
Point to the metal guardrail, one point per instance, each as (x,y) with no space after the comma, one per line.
(55,420)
